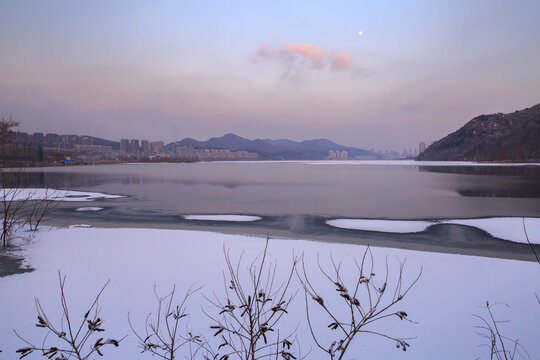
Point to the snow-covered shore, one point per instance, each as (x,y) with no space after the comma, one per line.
(450,290)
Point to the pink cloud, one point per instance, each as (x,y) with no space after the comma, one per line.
(305,54)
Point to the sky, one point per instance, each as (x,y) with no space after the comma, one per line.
(371,74)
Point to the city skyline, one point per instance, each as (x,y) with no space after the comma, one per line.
(364,74)
(55,140)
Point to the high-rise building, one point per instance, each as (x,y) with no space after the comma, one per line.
(38,137)
(52,139)
(124,145)
(332,155)
(156,146)
(134,145)
(422,147)
(86,140)
(183,151)
(145,146)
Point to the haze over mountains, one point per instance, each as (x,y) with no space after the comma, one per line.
(496,137)
(281,149)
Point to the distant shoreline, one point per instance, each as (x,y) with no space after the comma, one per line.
(411,162)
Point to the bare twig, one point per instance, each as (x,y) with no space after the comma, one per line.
(74,341)
(529,242)
(41,208)
(369,302)
(162,334)
(247,320)
(500,346)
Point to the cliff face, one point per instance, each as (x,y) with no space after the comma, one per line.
(496,137)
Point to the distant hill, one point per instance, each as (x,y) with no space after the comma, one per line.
(268,149)
(496,137)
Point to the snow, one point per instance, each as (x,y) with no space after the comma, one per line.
(56,195)
(239,218)
(89,208)
(391,226)
(506,228)
(451,288)
(414,163)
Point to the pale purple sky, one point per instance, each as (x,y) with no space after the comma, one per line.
(165,70)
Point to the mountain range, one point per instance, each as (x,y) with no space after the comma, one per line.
(281,149)
(496,137)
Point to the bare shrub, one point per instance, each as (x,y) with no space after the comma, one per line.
(74,341)
(19,208)
(247,321)
(14,214)
(353,311)
(40,209)
(500,347)
(162,335)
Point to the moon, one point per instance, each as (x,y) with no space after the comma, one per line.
(360,33)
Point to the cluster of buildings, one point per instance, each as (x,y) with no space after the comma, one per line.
(187,152)
(57,142)
(73,149)
(67,149)
(70,149)
(133,146)
(338,155)
(387,155)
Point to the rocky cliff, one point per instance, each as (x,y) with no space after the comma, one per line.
(496,137)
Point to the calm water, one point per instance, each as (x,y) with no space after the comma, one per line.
(295,199)
(294,188)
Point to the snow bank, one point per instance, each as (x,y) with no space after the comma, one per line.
(239,218)
(450,290)
(391,226)
(413,163)
(89,208)
(506,228)
(56,195)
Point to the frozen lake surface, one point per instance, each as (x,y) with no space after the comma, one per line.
(451,288)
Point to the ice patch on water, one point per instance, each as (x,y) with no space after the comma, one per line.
(506,228)
(391,226)
(239,218)
(89,208)
(55,195)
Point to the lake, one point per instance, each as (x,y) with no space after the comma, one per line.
(297,198)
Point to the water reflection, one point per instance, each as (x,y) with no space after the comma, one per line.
(529,172)
(504,181)
(73,180)
(297,183)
